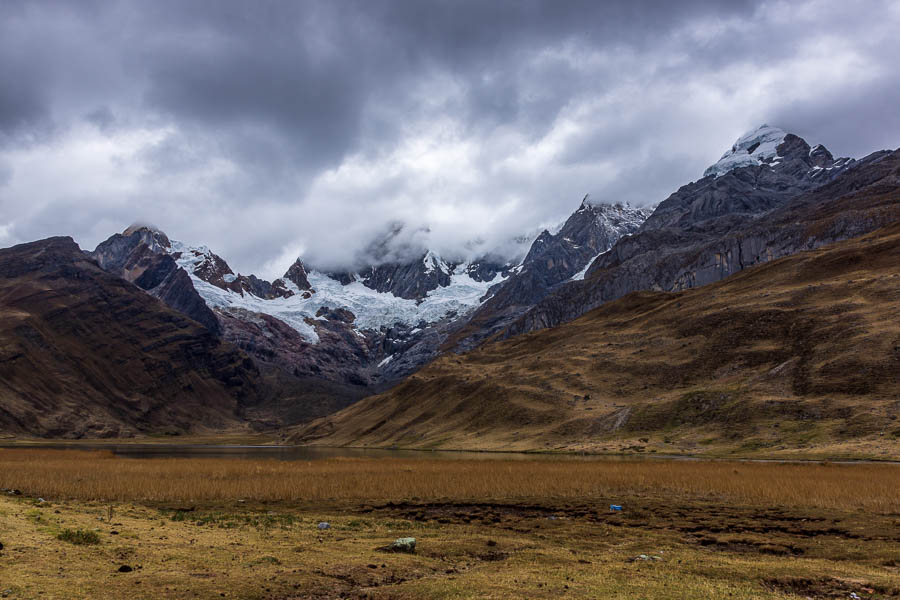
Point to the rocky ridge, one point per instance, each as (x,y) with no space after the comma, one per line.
(554,258)
(713,228)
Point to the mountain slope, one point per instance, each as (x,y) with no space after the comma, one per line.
(765,169)
(717,226)
(801,351)
(327,339)
(138,255)
(553,259)
(85,353)
(863,197)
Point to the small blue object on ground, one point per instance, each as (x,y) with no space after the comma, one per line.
(615,507)
(324,525)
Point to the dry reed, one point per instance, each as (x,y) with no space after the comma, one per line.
(82,475)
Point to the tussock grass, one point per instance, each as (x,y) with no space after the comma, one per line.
(81,475)
(79,537)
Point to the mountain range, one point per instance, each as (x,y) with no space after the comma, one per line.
(307,347)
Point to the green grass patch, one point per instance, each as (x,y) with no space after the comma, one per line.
(79,537)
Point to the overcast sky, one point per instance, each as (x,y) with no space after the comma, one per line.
(270,129)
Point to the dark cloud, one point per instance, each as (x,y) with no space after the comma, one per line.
(23,107)
(102,118)
(855,122)
(6,174)
(271,128)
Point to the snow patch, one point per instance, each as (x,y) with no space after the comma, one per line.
(373,310)
(579,276)
(753,148)
(432,261)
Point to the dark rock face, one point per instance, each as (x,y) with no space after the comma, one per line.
(341,315)
(591,230)
(259,287)
(311,380)
(117,253)
(340,355)
(85,353)
(488,267)
(140,255)
(297,274)
(213,269)
(813,208)
(820,157)
(552,260)
(412,280)
(747,191)
(177,290)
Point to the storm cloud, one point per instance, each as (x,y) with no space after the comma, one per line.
(268,130)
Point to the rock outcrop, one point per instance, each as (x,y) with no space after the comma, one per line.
(552,260)
(141,255)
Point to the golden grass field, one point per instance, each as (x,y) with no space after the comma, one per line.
(97,475)
(213,528)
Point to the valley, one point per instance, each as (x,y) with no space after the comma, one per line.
(752,313)
(798,356)
(450,300)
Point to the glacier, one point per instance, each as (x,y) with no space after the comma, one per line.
(373,310)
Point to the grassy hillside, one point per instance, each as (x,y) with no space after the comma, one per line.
(84,353)
(798,355)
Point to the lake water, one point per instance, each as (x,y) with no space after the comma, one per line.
(318,453)
(289,452)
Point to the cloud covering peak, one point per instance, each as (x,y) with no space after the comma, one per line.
(274,129)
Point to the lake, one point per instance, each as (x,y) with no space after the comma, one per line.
(289,452)
(307,453)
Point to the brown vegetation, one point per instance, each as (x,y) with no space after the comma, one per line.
(84,353)
(488,528)
(61,474)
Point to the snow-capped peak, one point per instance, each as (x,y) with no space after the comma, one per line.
(433,261)
(753,148)
(299,307)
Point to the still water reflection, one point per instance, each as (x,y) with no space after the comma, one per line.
(296,452)
(317,453)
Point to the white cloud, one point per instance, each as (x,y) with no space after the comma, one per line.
(479,142)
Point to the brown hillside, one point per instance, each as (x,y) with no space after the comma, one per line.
(85,353)
(802,352)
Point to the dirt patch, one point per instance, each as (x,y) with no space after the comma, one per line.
(827,587)
(455,512)
(748,546)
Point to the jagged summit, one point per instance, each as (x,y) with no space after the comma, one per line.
(756,147)
(767,145)
(138,226)
(555,258)
(590,202)
(150,235)
(298,275)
